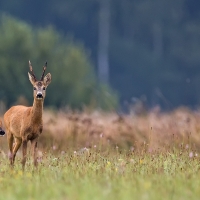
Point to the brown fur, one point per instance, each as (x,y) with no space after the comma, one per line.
(25,124)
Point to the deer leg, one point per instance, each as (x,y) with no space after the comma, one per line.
(34,151)
(24,153)
(10,145)
(16,147)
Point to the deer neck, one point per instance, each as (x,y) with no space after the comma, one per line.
(37,110)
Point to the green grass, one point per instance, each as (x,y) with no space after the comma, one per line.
(91,174)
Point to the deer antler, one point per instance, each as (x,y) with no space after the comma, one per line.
(44,69)
(31,70)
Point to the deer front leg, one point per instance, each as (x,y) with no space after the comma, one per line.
(18,142)
(24,153)
(34,151)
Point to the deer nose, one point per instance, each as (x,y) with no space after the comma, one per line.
(39,95)
(2,132)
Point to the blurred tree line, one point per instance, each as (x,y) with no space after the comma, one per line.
(73,80)
(153,51)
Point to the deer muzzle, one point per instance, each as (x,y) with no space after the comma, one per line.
(39,95)
(2,132)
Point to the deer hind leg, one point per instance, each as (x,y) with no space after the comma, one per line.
(10,139)
(24,153)
(34,151)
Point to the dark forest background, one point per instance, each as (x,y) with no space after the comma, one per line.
(138,50)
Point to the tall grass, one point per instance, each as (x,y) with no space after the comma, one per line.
(92,174)
(106,156)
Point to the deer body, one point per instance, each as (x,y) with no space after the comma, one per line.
(25,124)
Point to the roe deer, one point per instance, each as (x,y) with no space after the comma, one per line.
(25,123)
(2,132)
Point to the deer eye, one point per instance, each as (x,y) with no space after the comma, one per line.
(34,88)
(44,88)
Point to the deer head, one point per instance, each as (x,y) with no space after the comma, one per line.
(2,132)
(39,87)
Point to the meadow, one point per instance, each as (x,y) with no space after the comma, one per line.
(97,155)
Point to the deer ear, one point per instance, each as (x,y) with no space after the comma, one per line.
(31,78)
(47,79)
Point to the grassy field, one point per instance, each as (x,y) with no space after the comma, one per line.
(105,156)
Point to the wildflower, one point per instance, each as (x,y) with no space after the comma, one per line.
(132,149)
(40,156)
(141,161)
(9,155)
(150,150)
(191,154)
(54,147)
(39,159)
(85,149)
(108,164)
